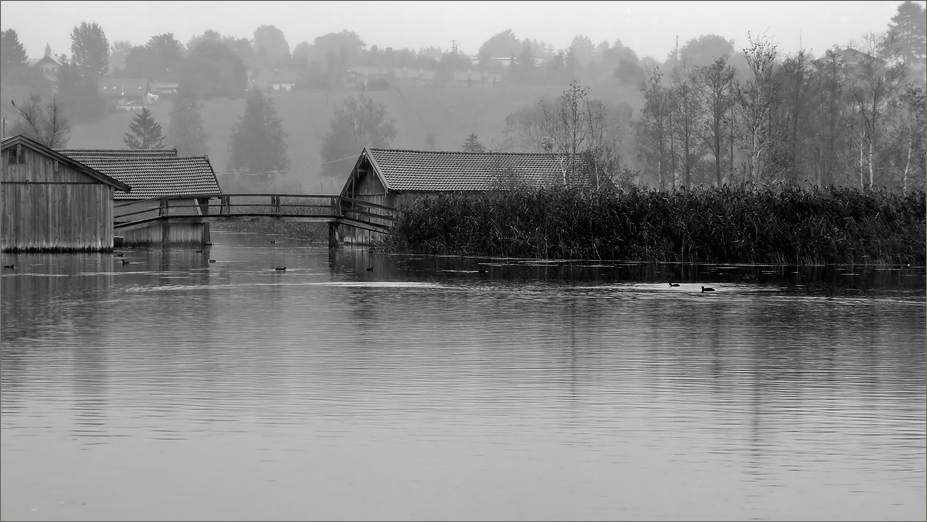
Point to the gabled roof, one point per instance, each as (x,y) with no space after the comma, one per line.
(430,171)
(152,173)
(47,59)
(19,139)
(369,70)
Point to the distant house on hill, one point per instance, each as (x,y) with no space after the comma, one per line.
(476,79)
(49,67)
(275,81)
(126,93)
(851,57)
(407,77)
(392,177)
(155,174)
(51,202)
(358,78)
(164,88)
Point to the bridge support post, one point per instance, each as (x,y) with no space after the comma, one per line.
(332,234)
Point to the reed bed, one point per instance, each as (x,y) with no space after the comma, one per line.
(726,225)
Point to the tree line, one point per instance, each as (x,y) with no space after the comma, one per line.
(852,117)
(711,115)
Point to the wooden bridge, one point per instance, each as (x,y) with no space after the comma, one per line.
(304,208)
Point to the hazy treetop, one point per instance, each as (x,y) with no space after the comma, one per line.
(650,28)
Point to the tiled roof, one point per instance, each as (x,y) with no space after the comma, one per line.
(151,173)
(427,171)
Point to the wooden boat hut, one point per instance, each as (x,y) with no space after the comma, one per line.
(51,202)
(156,174)
(393,177)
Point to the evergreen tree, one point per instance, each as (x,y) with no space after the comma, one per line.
(258,143)
(473,144)
(146,132)
(185,129)
(12,53)
(526,71)
(908,32)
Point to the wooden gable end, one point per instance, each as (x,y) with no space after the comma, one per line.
(50,203)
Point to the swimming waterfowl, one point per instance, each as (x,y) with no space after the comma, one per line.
(11,267)
(707,289)
(674,284)
(125,261)
(212,260)
(370,269)
(280,268)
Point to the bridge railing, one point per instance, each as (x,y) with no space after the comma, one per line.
(322,207)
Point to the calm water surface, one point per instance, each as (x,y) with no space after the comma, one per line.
(176,388)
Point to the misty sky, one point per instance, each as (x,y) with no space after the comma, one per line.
(649,28)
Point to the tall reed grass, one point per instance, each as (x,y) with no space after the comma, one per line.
(726,225)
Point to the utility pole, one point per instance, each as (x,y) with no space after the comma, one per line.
(454,46)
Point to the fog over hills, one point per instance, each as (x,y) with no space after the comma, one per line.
(730,104)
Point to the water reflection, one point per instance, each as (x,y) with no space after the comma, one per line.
(554,390)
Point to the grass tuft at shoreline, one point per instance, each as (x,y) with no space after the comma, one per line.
(726,225)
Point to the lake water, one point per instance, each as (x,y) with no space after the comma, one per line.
(175,388)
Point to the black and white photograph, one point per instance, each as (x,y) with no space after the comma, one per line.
(463,260)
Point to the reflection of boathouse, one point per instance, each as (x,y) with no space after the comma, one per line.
(155,174)
(51,202)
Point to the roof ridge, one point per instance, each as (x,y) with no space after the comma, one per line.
(473,153)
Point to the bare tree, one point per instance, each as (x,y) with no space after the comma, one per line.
(911,130)
(655,121)
(794,79)
(876,82)
(687,107)
(717,82)
(44,124)
(826,116)
(578,127)
(756,98)
(565,127)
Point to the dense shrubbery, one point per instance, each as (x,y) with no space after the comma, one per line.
(727,225)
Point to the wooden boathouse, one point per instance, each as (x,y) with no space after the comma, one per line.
(51,202)
(190,182)
(392,177)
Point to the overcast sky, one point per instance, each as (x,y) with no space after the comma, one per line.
(649,28)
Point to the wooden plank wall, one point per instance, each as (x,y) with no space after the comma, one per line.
(47,206)
(366,188)
(178,233)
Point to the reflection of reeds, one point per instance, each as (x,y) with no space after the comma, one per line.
(729,225)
